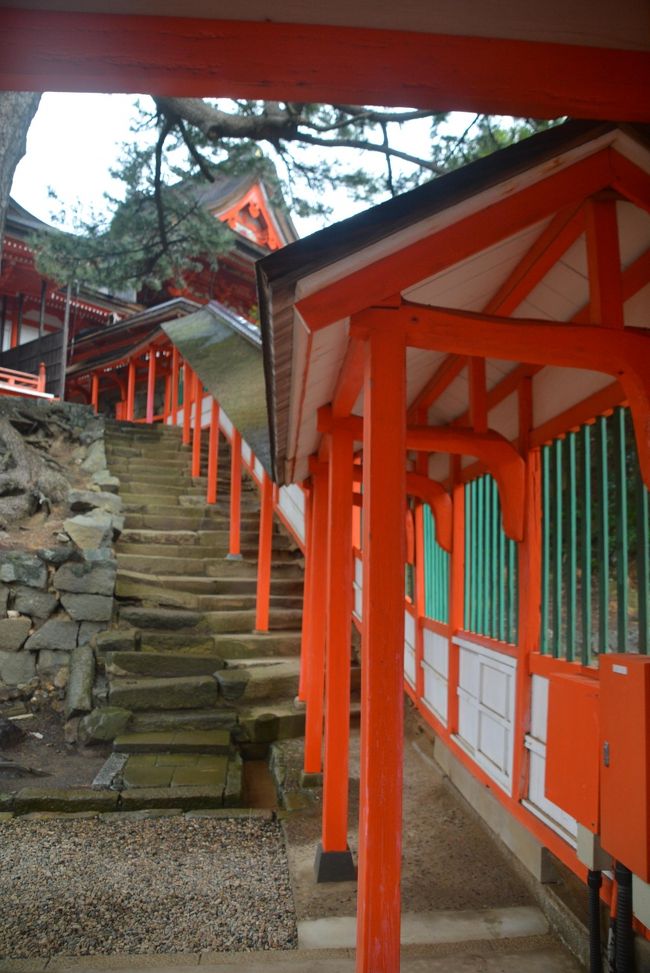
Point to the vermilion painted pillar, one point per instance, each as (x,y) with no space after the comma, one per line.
(316,608)
(151,384)
(235,495)
(187,403)
(130,391)
(382,673)
(213,453)
(94,391)
(334,859)
(168,399)
(174,401)
(263,599)
(307,594)
(196,437)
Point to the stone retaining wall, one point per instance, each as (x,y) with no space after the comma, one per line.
(55,599)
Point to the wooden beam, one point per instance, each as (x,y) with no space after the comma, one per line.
(499,456)
(630,180)
(604,263)
(350,379)
(196,57)
(433,254)
(432,492)
(477,394)
(623,353)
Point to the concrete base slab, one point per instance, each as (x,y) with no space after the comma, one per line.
(429,928)
(542,958)
(334,866)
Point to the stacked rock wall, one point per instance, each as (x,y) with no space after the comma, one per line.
(54,599)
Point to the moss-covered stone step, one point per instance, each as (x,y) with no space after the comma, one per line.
(69,799)
(163,619)
(233,622)
(162,664)
(236,602)
(175,770)
(263,723)
(199,719)
(253,682)
(257,645)
(148,693)
(192,583)
(175,741)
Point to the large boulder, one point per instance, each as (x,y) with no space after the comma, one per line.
(57,633)
(17,668)
(82,577)
(35,603)
(80,684)
(95,458)
(91,530)
(4,599)
(13,633)
(24,568)
(88,608)
(104,724)
(82,501)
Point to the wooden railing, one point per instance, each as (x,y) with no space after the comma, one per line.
(22,383)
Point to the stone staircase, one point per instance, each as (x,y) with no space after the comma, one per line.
(198,688)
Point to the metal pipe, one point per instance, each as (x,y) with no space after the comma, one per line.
(594,881)
(624,934)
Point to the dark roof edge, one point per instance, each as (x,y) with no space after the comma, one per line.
(348,236)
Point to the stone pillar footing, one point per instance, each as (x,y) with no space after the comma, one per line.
(334,866)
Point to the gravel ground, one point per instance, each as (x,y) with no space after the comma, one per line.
(166,885)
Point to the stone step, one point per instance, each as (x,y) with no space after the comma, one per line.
(189,560)
(252,682)
(192,642)
(164,619)
(184,522)
(173,535)
(149,721)
(234,622)
(265,722)
(165,592)
(150,693)
(160,664)
(181,642)
(130,487)
(174,741)
(217,519)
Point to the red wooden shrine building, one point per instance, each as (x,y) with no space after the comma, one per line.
(478,349)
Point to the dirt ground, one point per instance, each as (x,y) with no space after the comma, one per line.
(43,749)
(449,861)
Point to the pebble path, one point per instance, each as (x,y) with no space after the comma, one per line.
(167,885)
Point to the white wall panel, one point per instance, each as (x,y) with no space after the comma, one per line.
(292,504)
(435,666)
(486,703)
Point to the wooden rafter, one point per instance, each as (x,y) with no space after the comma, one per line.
(623,353)
(454,243)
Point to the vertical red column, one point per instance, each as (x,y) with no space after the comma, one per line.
(187,403)
(130,391)
(382,673)
(42,377)
(333,858)
(94,391)
(196,437)
(213,453)
(167,407)
(151,384)
(306,597)
(235,495)
(316,641)
(174,399)
(263,599)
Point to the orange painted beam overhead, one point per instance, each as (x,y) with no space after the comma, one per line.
(492,449)
(67,51)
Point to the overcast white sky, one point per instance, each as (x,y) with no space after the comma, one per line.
(74,141)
